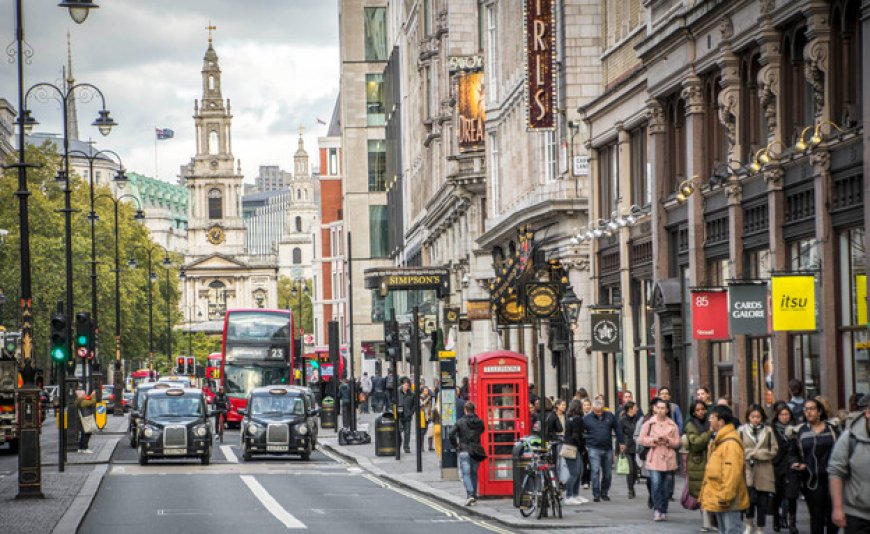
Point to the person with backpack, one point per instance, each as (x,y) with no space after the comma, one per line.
(760,448)
(788,484)
(723,491)
(849,472)
(379,384)
(627,421)
(796,402)
(813,445)
(365,384)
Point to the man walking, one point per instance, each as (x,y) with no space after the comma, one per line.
(724,491)
(378,388)
(849,472)
(601,426)
(465,436)
(365,384)
(405,408)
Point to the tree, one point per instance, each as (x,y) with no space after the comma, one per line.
(292,303)
(48,264)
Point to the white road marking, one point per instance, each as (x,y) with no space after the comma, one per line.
(229,454)
(271,504)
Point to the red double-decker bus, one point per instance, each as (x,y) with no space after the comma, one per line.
(257,351)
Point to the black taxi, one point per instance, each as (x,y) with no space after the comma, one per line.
(174,425)
(135,418)
(278,420)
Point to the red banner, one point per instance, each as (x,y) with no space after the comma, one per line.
(709,315)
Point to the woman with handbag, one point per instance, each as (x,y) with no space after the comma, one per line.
(628,421)
(696,440)
(759,450)
(85,405)
(572,452)
(661,436)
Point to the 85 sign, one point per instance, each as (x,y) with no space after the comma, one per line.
(709,314)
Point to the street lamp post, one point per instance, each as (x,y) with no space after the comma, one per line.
(167,264)
(29,451)
(132,263)
(118,377)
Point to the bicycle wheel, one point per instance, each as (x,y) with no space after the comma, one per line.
(555,503)
(529,495)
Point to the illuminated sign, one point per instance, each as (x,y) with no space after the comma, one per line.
(472,112)
(540,48)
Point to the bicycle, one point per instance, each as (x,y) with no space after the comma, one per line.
(540,490)
(220,423)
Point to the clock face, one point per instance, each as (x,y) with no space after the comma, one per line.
(216,235)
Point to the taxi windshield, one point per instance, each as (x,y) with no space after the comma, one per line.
(277,405)
(173,407)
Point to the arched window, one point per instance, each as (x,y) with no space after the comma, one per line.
(297,256)
(213,147)
(217,300)
(298,223)
(298,194)
(215,204)
(211,83)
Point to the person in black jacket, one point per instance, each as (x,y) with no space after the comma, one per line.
(628,421)
(788,484)
(405,408)
(574,435)
(465,436)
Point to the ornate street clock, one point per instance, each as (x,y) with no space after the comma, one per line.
(216,235)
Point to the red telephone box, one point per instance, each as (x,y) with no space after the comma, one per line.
(498,385)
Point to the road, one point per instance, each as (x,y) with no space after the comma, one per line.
(265,495)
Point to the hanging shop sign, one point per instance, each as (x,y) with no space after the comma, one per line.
(477,310)
(794,302)
(542,300)
(861,299)
(451,315)
(747,309)
(709,314)
(510,311)
(471,110)
(605,332)
(540,49)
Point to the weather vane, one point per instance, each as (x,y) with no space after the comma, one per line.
(210,27)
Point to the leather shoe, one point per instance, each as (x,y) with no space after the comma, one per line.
(596,499)
(605,498)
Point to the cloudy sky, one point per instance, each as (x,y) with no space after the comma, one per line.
(279,62)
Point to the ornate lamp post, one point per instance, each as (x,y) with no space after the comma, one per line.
(29,451)
(118,378)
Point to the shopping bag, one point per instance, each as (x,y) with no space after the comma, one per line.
(564,472)
(622,466)
(89,423)
(688,500)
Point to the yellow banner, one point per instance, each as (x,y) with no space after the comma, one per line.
(861,298)
(793,303)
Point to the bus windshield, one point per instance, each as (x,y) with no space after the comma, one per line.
(259,327)
(241,379)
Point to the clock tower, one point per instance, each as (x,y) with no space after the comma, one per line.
(213,180)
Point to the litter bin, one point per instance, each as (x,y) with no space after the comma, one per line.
(520,456)
(385,435)
(327,413)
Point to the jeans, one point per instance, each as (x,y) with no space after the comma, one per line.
(729,522)
(407,428)
(575,467)
(345,414)
(660,481)
(601,464)
(759,502)
(84,439)
(468,471)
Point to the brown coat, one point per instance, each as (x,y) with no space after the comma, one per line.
(724,489)
(759,458)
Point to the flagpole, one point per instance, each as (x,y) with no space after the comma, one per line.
(155,153)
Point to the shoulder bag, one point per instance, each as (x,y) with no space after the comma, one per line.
(569,452)
(643,453)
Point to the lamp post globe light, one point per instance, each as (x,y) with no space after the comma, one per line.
(29,453)
(118,376)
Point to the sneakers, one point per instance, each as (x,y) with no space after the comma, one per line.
(581,500)
(631,494)
(596,499)
(470,501)
(86,451)
(573,501)
(664,517)
(657,516)
(586,486)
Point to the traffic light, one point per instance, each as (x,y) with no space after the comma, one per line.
(392,340)
(191,365)
(59,343)
(10,344)
(179,365)
(84,333)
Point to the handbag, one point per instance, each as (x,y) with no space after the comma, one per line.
(568,451)
(688,500)
(89,423)
(564,471)
(644,450)
(622,467)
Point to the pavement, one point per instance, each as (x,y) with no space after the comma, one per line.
(68,494)
(621,514)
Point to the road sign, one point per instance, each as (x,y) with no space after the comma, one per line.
(100,415)
(308,339)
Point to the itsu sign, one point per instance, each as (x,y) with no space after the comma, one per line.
(709,314)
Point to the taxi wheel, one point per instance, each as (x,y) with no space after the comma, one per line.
(133,440)
(143,459)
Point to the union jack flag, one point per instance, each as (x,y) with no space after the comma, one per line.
(164,133)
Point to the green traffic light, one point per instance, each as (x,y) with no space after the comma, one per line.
(82,340)
(58,354)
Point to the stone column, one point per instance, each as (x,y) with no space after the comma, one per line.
(658,161)
(623,236)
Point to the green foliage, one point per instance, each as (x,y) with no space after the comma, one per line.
(48,263)
(291,302)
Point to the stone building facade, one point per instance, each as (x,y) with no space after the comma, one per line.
(732,134)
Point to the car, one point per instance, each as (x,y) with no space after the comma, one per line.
(312,406)
(174,424)
(127,401)
(277,420)
(135,418)
(108,397)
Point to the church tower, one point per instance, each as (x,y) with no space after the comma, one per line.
(213,180)
(296,250)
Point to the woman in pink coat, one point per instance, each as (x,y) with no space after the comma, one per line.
(662,437)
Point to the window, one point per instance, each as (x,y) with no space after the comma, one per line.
(797,94)
(297,256)
(758,264)
(213,143)
(718,272)
(211,83)
(846,62)
(753,121)
(215,204)
(716,136)
(298,223)
(549,139)
(675,116)
(375,99)
(803,255)
(375,33)
(491,51)
(494,171)
(377,165)
(378,230)
(217,300)
(333,161)
(430,91)
(853,311)
(608,178)
(641,186)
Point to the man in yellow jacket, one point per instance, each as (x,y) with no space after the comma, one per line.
(723,491)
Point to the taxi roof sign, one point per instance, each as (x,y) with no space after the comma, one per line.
(278,391)
(175,392)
